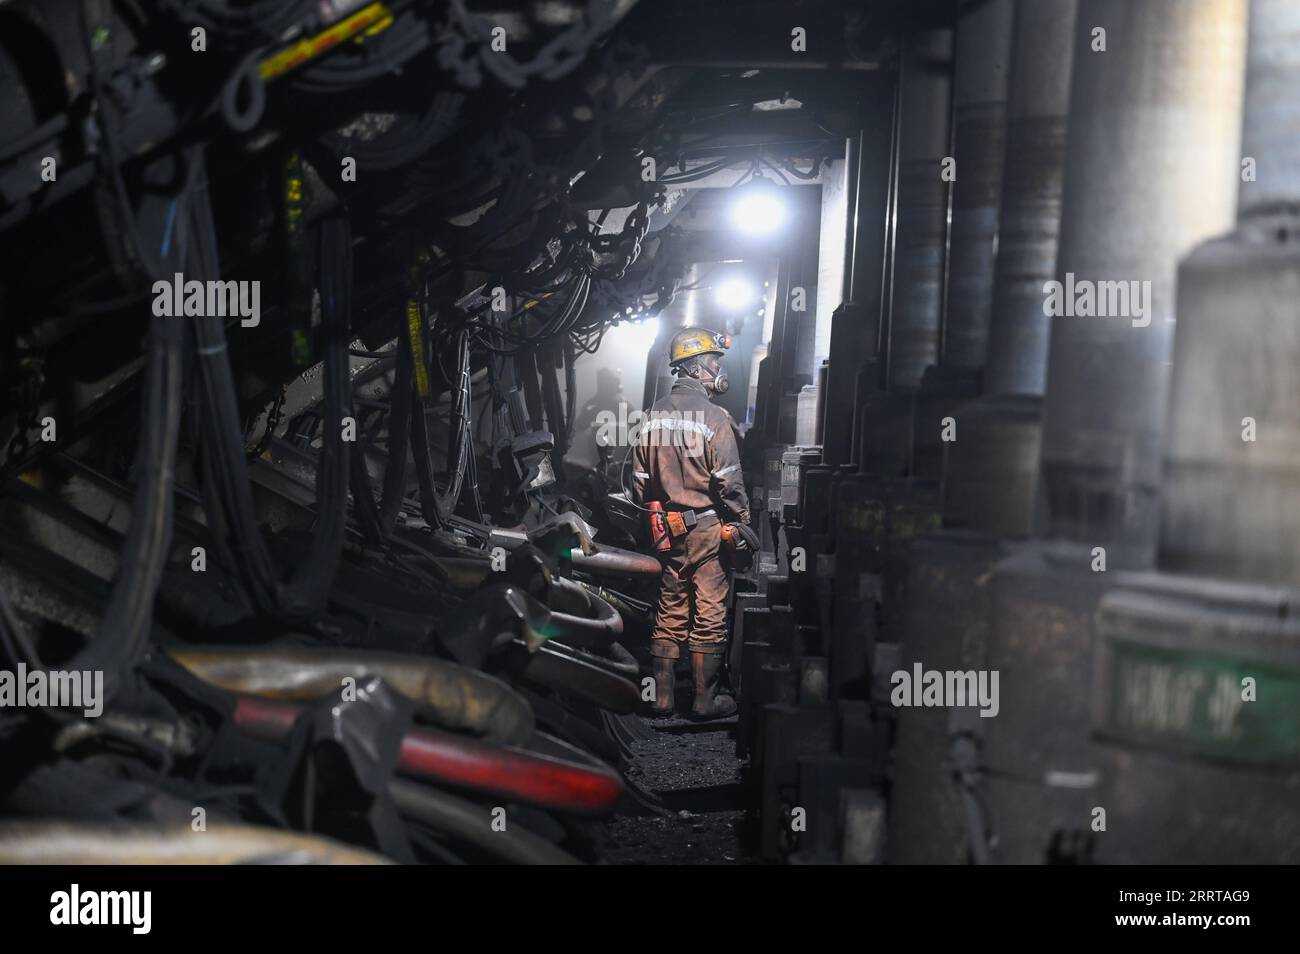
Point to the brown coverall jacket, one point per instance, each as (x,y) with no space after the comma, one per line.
(688,458)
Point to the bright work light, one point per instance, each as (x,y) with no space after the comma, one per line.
(735,294)
(758,209)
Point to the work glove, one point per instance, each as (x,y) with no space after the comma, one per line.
(741,537)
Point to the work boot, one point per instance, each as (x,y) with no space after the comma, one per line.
(708,704)
(665,687)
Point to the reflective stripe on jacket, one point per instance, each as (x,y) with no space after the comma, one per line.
(687,455)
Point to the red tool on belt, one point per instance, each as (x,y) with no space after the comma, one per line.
(658,526)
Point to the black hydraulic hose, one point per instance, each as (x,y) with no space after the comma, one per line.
(559,668)
(626,605)
(599,628)
(570,391)
(500,613)
(475,497)
(618,660)
(554,329)
(472,823)
(39,136)
(437,505)
(124,628)
(551,399)
(144,555)
(378,519)
(526,373)
(409,138)
(227,491)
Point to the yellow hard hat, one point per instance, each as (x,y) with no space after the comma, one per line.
(690,342)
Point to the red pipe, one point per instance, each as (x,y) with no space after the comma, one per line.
(448,759)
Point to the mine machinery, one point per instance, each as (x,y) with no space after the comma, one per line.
(312,313)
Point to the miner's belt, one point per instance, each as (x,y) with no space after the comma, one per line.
(694,518)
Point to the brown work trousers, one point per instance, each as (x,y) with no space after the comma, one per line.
(692,594)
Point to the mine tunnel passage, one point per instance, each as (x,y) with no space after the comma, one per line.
(650,433)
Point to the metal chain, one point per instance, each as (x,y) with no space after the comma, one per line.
(557,58)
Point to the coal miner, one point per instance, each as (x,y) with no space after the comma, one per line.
(687,475)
